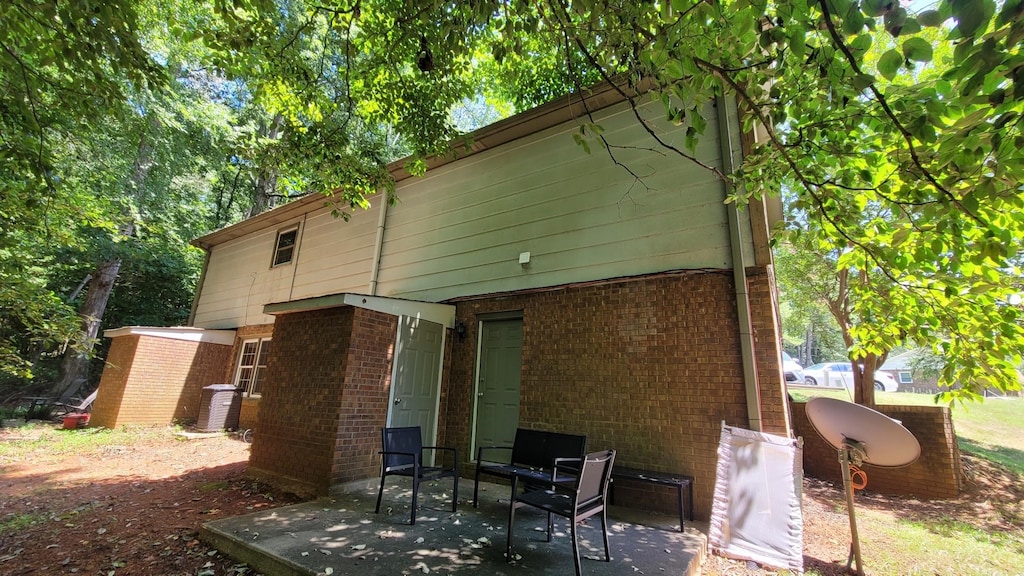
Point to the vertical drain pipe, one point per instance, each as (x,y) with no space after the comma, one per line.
(378,244)
(739,273)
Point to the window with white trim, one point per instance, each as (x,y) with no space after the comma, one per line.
(284,248)
(906,377)
(252,364)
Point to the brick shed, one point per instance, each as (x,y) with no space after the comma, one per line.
(156,375)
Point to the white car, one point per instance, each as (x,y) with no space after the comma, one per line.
(840,375)
(793,371)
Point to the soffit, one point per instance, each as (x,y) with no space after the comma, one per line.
(443,314)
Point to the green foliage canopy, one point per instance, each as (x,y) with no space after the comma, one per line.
(898,132)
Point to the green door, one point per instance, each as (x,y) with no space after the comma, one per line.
(498,379)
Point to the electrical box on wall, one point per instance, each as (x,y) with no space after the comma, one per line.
(524,258)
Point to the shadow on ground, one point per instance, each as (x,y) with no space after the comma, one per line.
(343,535)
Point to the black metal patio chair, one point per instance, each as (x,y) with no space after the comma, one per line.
(402,455)
(576,501)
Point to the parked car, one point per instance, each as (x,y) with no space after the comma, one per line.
(793,371)
(840,375)
(817,374)
(885,382)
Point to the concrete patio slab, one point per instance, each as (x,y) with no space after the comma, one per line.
(342,535)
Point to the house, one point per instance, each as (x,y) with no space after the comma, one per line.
(522,281)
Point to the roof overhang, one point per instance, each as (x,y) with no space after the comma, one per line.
(443,314)
(187,333)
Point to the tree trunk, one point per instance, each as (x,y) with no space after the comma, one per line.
(808,348)
(265,184)
(75,364)
(74,367)
(864,381)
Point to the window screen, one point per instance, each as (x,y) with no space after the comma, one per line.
(252,364)
(285,249)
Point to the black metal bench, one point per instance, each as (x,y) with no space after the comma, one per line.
(533,454)
(678,481)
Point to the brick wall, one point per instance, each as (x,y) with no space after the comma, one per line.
(156,380)
(248,416)
(324,399)
(364,402)
(936,475)
(650,367)
(113,381)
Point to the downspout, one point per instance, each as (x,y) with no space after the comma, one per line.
(379,245)
(199,287)
(739,273)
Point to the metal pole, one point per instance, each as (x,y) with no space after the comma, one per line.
(844,461)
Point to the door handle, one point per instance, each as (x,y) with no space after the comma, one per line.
(398,400)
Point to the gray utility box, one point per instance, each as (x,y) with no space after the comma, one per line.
(219,407)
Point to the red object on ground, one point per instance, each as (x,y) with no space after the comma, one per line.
(76,420)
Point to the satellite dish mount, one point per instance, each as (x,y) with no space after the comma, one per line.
(851,453)
(860,435)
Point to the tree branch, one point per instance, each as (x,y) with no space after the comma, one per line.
(883,102)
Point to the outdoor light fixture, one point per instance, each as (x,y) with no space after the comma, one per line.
(460,330)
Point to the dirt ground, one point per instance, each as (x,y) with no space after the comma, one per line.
(136,509)
(126,510)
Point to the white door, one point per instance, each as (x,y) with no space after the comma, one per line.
(416,381)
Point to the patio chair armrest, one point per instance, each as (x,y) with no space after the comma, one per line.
(415,457)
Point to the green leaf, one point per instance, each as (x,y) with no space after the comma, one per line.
(930,18)
(972,16)
(798,41)
(853,22)
(889,64)
(910,27)
(917,49)
(862,81)
(674,69)
(875,8)
(894,21)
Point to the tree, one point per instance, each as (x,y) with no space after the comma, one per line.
(904,149)
(807,283)
(937,156)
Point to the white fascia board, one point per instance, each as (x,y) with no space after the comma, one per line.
(188,333)
(443,314)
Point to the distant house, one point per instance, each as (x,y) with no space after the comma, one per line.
(521,282)
(911,377)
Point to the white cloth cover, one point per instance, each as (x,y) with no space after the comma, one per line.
(756,513)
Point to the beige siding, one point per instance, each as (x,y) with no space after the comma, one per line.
(337,255)
(332,256)
(460,229)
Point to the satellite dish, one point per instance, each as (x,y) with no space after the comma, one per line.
(860,434)
(883,441)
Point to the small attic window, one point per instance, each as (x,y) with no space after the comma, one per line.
(284,250)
